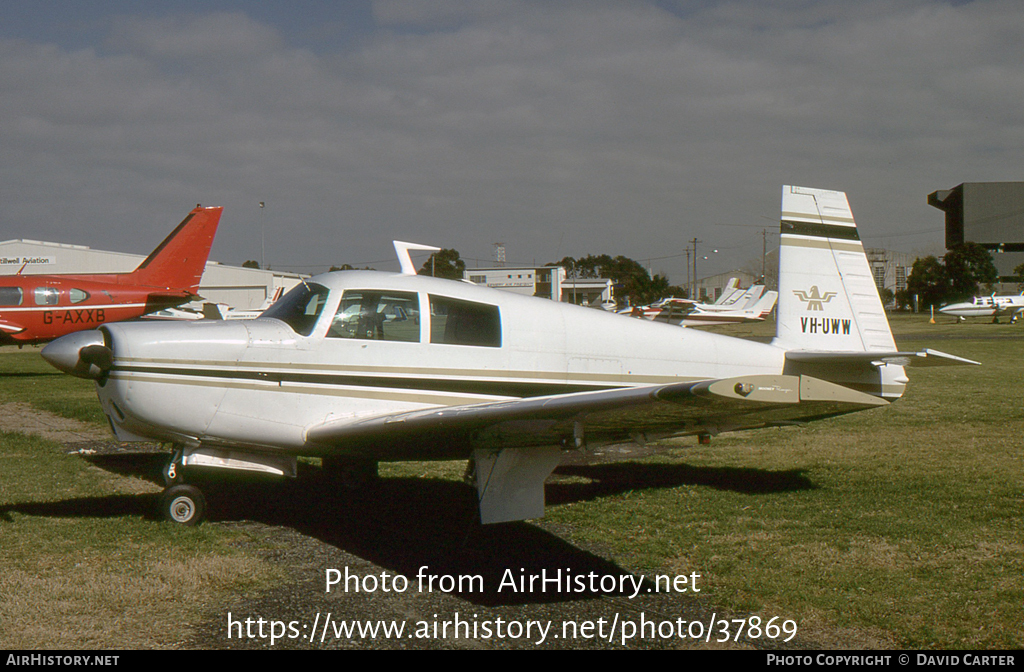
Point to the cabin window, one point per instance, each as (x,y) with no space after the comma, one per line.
(10,296)
(377,315)
(47,296)
(300,307)
(77,295)
(458,322)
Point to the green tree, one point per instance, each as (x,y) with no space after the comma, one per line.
(631,280)
(349,267)
(958,276)
(444,264)
(928,282)
(252,263)
(1019,272)
(968,267)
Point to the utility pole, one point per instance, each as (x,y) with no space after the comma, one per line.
(688,287)
(764,253)
(695,241)
(263,244)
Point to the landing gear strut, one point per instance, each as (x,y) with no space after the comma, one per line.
(181,503)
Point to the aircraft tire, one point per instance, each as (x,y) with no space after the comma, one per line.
(184,504)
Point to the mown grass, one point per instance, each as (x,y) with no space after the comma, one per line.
(82,562)
(903,530)
(26,377)
(897,527)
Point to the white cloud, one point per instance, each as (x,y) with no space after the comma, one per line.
(609,126)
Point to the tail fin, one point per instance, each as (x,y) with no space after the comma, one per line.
(764,307)
(731,291)
(753,296)
(179,261)
(827,295)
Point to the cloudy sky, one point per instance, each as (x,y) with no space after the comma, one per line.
(556,128)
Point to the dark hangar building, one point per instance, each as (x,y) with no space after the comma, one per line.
(990,214)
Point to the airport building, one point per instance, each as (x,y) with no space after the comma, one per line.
(890,269)
(241,288)
(990,214)
(549,282)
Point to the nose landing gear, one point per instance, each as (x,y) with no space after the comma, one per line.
(183,504)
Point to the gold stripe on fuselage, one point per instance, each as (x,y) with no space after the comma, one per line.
(553,377)
(379,394)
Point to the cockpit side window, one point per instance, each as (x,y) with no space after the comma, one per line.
(77,295)
(459,322)
(11,296)
(378,315)
(300,307)
(47,296)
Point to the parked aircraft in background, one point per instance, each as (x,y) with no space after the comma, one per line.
(730,293)
(752,304)
(222,311)
(753,310)
(361,367)
(988,306)
(39,308)
(214,311)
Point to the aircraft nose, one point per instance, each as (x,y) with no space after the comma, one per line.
(83,354)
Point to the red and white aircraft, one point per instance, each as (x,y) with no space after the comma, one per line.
(38,308)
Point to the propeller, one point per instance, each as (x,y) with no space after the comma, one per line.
(83,354)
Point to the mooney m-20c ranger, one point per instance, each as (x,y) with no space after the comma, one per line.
(360,367)
(38,308)
(988,306)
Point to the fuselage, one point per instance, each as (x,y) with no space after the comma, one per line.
(39,308)
(985,306)
(352,345)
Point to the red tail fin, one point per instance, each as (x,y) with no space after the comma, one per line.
(178,262)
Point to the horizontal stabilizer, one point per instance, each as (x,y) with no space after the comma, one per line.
(926,357)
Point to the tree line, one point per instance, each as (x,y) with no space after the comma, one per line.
(965,271)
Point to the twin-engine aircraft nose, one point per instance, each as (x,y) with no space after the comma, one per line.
(82,354)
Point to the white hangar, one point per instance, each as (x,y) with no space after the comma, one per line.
(242,288)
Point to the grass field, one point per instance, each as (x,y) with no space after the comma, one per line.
(899,527)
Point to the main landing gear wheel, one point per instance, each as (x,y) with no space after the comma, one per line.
(184,504)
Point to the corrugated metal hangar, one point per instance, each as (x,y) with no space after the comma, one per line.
(242,288)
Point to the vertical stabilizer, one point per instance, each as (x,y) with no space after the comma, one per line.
(179,261)
(827,295)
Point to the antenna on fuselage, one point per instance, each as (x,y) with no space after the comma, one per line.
(402,250)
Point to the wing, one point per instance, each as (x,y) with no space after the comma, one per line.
(594,418)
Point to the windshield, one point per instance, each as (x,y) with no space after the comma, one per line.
(300,307)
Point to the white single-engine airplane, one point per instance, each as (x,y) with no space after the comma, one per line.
(988,306)
(361,367)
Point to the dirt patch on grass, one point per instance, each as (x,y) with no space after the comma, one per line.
(19,417)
